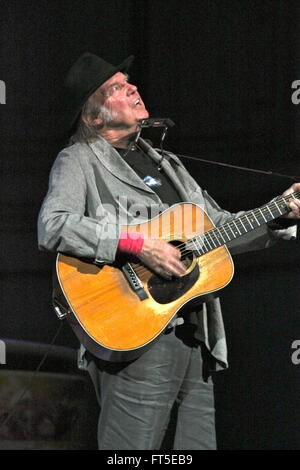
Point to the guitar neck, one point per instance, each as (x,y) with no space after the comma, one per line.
(238,227)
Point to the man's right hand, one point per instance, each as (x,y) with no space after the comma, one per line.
(162,257)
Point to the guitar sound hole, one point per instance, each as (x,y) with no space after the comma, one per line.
(164,291)
(187,256)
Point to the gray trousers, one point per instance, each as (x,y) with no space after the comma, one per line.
(136,398)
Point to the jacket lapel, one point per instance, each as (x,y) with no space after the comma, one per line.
(114,163)
(110,158)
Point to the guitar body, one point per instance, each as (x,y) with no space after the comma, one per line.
(117,323)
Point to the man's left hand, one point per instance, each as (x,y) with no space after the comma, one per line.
(294,204)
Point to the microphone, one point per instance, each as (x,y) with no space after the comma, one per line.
(165,123)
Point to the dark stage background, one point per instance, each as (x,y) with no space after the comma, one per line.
(223,72)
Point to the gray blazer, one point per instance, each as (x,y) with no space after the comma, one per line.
(93,191)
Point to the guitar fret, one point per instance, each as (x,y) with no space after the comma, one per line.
(270,211)
(225,230)
(205,247)
(267,212)
(285,204)
(194,241)
(199,249)
(215,235)
(206,241)
(249,221)
(209,235)
(234,235)
(243,225)
(257,221)
(263,215)
(219,236)
(278,208)
(236,227)
(219,231)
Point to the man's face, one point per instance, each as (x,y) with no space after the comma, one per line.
(123,101)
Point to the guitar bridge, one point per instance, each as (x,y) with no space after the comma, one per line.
(134,281)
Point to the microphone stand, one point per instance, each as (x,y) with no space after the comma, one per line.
(165,123)
(161,147)
(236,167)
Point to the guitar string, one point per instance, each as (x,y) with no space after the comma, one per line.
(239,223)
(244,218)
(232,224)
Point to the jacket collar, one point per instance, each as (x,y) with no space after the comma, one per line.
(114,163)
(111,159)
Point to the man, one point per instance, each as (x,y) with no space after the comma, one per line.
(101,167)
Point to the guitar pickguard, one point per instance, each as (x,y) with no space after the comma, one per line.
(165,291)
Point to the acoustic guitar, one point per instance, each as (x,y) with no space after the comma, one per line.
(117,311)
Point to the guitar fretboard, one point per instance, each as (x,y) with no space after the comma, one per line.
(238,227)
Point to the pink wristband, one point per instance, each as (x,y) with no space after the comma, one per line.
(131,243)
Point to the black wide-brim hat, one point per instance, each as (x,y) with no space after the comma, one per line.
(87,74)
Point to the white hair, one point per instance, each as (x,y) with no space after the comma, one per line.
(92,109)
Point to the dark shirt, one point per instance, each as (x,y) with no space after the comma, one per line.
(147,169)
